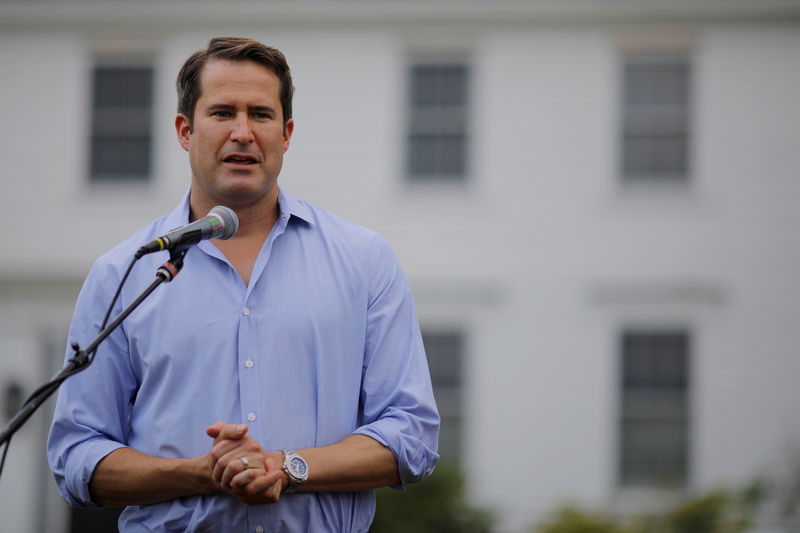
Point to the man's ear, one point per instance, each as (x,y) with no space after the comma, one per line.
(183,129)
(287,133)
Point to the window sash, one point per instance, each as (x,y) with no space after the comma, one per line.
(437,135)
(655,118)
(445,352)
(654,408)
(121,139)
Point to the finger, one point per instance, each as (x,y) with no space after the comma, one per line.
(228,473)
(251,464)
(214,429)
(232,452)
(229,450)
(229,447)
(221,456)
(229,432)
(259,479)
(222,463)
(274,492)
(261,489)
(225,468)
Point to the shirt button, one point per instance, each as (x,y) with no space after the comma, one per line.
(251,417)
(260,529)
(249,363)
(245,311)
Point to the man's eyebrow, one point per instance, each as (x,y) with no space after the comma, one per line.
(228,107)
(218,107)
(262,108)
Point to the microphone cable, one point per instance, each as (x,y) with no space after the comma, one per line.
(227,222)
(90,358)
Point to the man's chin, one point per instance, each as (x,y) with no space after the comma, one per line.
(248,194)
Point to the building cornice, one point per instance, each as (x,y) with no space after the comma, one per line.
(189,14)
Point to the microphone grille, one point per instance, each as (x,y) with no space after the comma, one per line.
(230,222)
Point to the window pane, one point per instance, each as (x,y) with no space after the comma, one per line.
(655,118)
(120,158)
(656,453)
(439,85)
(654,422)
(654,157)
(445,352)
(121,123)
(123,86)
(437,123)
(440,155)
(656,83)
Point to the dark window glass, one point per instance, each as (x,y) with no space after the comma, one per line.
(655,121)
(121,124)
(654,428)
(437,136)
(445,351)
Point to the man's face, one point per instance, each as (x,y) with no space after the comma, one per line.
(238,140)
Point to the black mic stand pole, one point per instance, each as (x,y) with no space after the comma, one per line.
(82,358)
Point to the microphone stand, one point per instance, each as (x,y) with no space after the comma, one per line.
(82,358)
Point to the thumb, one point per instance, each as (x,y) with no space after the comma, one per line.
(227,432)
(214,429)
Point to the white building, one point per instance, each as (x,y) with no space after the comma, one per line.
(595,203)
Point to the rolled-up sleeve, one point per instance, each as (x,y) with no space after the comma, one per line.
(91,414)
(399,409)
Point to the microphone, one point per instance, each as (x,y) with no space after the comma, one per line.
(220,223)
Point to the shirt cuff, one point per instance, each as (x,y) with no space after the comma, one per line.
(415,460)
(80,467)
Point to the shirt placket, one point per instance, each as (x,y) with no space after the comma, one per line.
(248,362)
(251,361)
(249,358)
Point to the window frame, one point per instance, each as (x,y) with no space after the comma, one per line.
(657,121)
(652,407)
(121,123)
(438,122)
(449,393)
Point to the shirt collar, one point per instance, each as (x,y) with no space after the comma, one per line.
(180,215)
(288,204)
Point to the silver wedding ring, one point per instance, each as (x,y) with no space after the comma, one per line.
(244,461)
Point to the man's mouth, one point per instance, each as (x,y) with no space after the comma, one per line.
(240,159)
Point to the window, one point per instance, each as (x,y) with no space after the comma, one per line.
(445,351)
(121,123)
(437,124)
(654,429)
(655,118)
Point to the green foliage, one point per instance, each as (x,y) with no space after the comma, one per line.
(436,505)
(573,520)
(715,512)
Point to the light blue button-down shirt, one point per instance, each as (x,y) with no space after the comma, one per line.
(322,344)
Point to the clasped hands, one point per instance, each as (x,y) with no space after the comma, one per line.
(240,467)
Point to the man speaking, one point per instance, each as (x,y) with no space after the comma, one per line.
(281,377)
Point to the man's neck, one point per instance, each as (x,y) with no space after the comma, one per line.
(255,223)
(254,217)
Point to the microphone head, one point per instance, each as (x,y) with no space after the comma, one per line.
(228,220)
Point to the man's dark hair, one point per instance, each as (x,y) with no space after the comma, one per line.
(232,49)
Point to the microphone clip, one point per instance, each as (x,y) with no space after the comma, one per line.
(170,269)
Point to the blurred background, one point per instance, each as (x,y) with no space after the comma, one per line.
(595,203)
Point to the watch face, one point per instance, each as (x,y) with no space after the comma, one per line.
(298,467)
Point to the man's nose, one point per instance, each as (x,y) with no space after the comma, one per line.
(242,132)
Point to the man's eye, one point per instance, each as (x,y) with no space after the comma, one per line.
(221,114)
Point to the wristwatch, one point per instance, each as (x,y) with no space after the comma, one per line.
(297,470)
